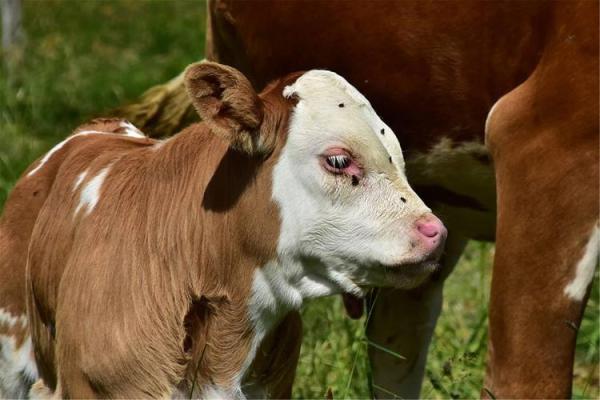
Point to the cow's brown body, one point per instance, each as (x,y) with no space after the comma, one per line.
(435,70)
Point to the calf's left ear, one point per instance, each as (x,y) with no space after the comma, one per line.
(226,101)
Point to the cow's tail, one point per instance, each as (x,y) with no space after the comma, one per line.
(162,110)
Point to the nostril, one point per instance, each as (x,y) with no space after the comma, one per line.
(430,230)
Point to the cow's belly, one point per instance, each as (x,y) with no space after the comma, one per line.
(457,181)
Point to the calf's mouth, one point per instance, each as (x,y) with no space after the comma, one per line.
(414,273)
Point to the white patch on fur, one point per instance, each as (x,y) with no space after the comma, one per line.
(6,318)
(58,147)
(584,272)
(90,194)
(131,130)
(276,290)
(272,296)
(212,392)
(335,234)
(17,364)
(79,179)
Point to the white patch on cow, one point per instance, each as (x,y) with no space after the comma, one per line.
(131,130)
(59,146)
(10,320)
(212,392)
(584,273)
(272,296)
(79,179)
(17,364)
(90,194)
(334,234)
(276,290)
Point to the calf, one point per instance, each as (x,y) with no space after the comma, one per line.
(158,268)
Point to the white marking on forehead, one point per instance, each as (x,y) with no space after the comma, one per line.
(90,194)
(58,147)
(131,130)
(79,179)
(584,272)
(318,80)
(326,89)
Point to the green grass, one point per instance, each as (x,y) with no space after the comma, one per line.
(85,57)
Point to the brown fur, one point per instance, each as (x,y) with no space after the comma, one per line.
(136,297)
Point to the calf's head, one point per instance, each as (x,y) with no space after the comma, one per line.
(348,217)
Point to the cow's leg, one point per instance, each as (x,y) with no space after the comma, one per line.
(543,137)
(403,321)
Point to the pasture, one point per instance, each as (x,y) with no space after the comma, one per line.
(82,59)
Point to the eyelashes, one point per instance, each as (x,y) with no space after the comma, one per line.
(338,162)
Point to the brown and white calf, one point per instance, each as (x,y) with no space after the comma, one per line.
(158,268)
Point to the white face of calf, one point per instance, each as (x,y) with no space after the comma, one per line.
(347,211)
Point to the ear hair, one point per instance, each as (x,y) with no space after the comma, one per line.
(226,101)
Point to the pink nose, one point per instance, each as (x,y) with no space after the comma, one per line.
(432,230)
(429,228)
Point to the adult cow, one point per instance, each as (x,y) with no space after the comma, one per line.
(459,82)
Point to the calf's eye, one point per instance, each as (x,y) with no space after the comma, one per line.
(338,161)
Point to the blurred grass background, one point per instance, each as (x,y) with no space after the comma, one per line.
(82,58)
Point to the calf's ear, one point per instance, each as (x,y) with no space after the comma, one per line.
(226,101)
